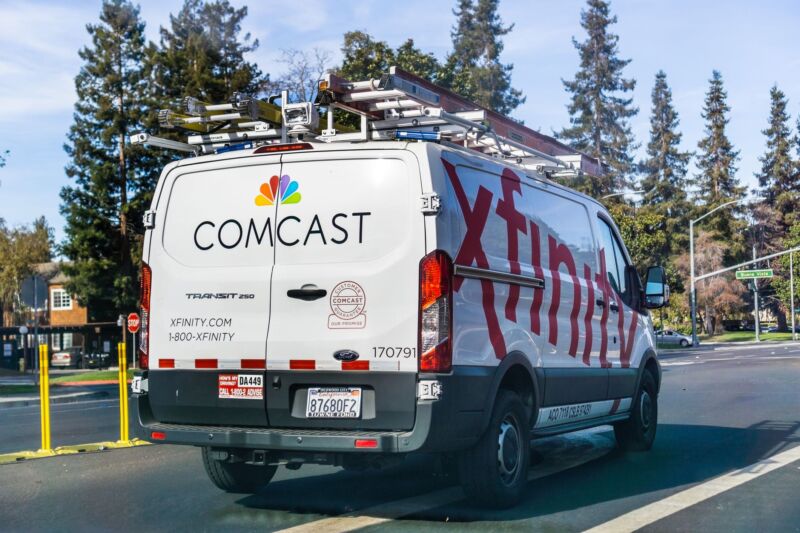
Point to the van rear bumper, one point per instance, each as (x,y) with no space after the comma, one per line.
(453,422)
(278,439)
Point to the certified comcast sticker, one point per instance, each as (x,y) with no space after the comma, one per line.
(347,303)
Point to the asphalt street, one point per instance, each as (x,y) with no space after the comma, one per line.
(70,423)
(725,459)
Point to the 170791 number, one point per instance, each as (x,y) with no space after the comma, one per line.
(394,352)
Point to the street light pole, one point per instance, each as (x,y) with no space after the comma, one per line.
(693,295)
(755,297)
(791,292)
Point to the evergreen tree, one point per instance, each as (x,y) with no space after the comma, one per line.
(780,189)
(106,172)
(599,110)
(202,54)
(364,57)
(716,181)
(412,59)
(473,69)
(664,172)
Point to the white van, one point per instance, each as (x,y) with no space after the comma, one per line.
(351,298)
(350,303)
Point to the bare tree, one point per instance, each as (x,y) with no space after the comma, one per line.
(303,71)
(718,297)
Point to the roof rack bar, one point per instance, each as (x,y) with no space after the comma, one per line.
(151,140)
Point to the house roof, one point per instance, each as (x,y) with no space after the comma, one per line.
(51,272)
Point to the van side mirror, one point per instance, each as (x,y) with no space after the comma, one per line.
(656,290)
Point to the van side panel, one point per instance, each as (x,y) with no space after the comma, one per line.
(498,221)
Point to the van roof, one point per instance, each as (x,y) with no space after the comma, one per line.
(323,147)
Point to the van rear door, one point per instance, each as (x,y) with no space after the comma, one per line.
(211,256)
(341,349)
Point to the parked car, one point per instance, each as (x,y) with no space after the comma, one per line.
(672,337)
(97,360)
(68,358)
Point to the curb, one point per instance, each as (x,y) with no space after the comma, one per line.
(75,398)
(17,457)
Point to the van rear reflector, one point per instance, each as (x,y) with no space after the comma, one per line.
(272,148)
(355,365)
(158,435)
(166,363)
(205,363)
(302,364)
(366,443)
(254,363)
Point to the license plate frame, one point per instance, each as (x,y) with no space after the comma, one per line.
(339,403)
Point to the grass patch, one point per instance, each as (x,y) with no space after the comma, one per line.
(746,336)
(101,375)
(11,390)
(671,346)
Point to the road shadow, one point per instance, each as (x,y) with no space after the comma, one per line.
(682,455)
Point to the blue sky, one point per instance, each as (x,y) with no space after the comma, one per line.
(753,44)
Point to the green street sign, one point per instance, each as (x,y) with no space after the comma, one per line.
(754,274)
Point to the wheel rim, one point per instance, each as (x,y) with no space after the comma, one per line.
(509,450)
(646,410)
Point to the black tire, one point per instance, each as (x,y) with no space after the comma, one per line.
(236,477)
(684,343)
(638,432)
(495,471)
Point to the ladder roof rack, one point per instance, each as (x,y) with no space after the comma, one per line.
(398,105)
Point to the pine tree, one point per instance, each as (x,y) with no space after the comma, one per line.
(664,171)
(716,182)
(100,221)
(473,69)
(779,187)
(599,110)
(364,57)
(412,59)
(202,54)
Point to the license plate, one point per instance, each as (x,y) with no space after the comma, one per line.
(333,402)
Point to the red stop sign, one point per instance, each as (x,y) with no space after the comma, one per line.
(133,322)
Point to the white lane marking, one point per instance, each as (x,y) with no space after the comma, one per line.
(748,358)
(583,447)
(677,502)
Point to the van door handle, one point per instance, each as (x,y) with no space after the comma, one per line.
(307,293)
(614,307)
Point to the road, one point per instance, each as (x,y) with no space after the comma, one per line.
(729,415)
(71,423)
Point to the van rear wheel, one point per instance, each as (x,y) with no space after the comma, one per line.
(495,471)
(236,477)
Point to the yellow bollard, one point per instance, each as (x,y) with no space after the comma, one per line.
(123,392)
(44,395)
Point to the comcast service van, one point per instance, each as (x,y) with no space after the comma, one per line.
(329,298)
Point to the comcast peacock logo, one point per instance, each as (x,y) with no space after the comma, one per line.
(281,190)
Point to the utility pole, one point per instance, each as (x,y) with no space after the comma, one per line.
(755,298)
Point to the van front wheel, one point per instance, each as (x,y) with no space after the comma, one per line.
(494,472)
(637,433)
(236,477)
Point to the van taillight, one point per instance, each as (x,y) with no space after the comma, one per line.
(144,326)
(435,312)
